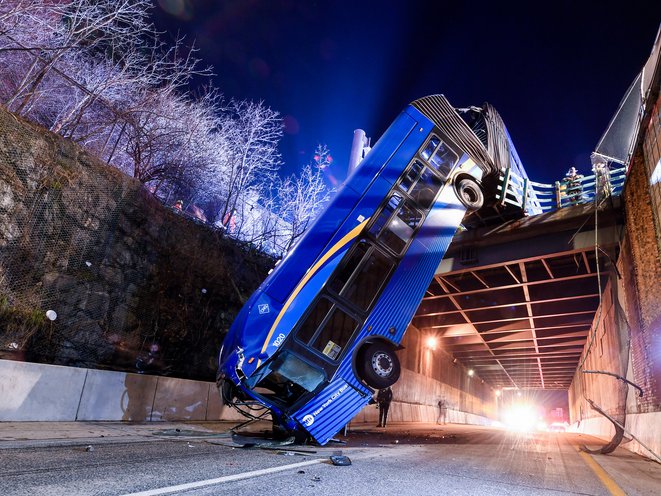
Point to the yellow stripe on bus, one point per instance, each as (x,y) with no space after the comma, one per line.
(336,247)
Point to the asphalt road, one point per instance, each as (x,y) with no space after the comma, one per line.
(403,460)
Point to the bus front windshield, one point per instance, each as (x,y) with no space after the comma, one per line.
(289,377)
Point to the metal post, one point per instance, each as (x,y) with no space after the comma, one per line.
(505,184)
(524,200)
(358,149)
(558,200)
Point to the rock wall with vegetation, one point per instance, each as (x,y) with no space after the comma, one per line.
(133,284)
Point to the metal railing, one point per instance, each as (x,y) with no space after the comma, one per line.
(535,198)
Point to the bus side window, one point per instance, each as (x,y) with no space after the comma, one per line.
(443,160)
(335,333)
(431,146)
(425,190)
(387,212)
(314,319)
(411,175)
(439,156)
(344,272)
(399,229)
(368,280)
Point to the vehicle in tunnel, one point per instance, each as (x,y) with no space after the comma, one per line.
(320,334)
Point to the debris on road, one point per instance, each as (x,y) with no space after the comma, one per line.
(340,460)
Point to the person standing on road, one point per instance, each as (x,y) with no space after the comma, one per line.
(383,398)
(443,411)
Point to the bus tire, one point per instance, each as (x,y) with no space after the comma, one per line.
(469,193)
(379,366)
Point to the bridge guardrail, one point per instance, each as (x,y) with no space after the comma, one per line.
(534,197)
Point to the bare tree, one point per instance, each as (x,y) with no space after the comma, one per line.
(252,132)
(302,197)
(13,11)
(97,72)
(89,25)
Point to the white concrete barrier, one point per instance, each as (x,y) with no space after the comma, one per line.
(30,391)
(38,392)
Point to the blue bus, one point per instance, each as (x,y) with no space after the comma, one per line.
(320,334)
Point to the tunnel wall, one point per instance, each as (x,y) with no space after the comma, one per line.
(428,376)
(626,334)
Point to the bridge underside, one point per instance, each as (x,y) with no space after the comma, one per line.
(516,303)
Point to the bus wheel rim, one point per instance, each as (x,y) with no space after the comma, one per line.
(382,364)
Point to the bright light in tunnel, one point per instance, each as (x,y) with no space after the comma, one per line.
(431,342)
(521,418)
(498,393)
(471,372)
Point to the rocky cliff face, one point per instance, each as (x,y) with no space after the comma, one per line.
(134,284)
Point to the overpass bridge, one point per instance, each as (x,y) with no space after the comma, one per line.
(515,302)
(516,295)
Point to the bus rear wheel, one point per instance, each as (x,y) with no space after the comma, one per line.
(379,366)
(469,193)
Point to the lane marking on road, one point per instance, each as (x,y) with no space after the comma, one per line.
(608,482)
(227,478)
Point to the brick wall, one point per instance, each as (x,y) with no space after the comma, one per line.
(644,272)
(626,334)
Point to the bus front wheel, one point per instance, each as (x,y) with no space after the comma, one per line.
(469,193)
(379,365)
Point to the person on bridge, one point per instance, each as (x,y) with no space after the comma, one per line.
(383,398)
(573,186)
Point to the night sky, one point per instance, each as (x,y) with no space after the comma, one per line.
(556,71)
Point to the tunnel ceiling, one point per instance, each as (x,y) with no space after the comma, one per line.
(521,321)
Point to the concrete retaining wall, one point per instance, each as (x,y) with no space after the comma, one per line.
(415,399)
(413,412)
(37,392)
